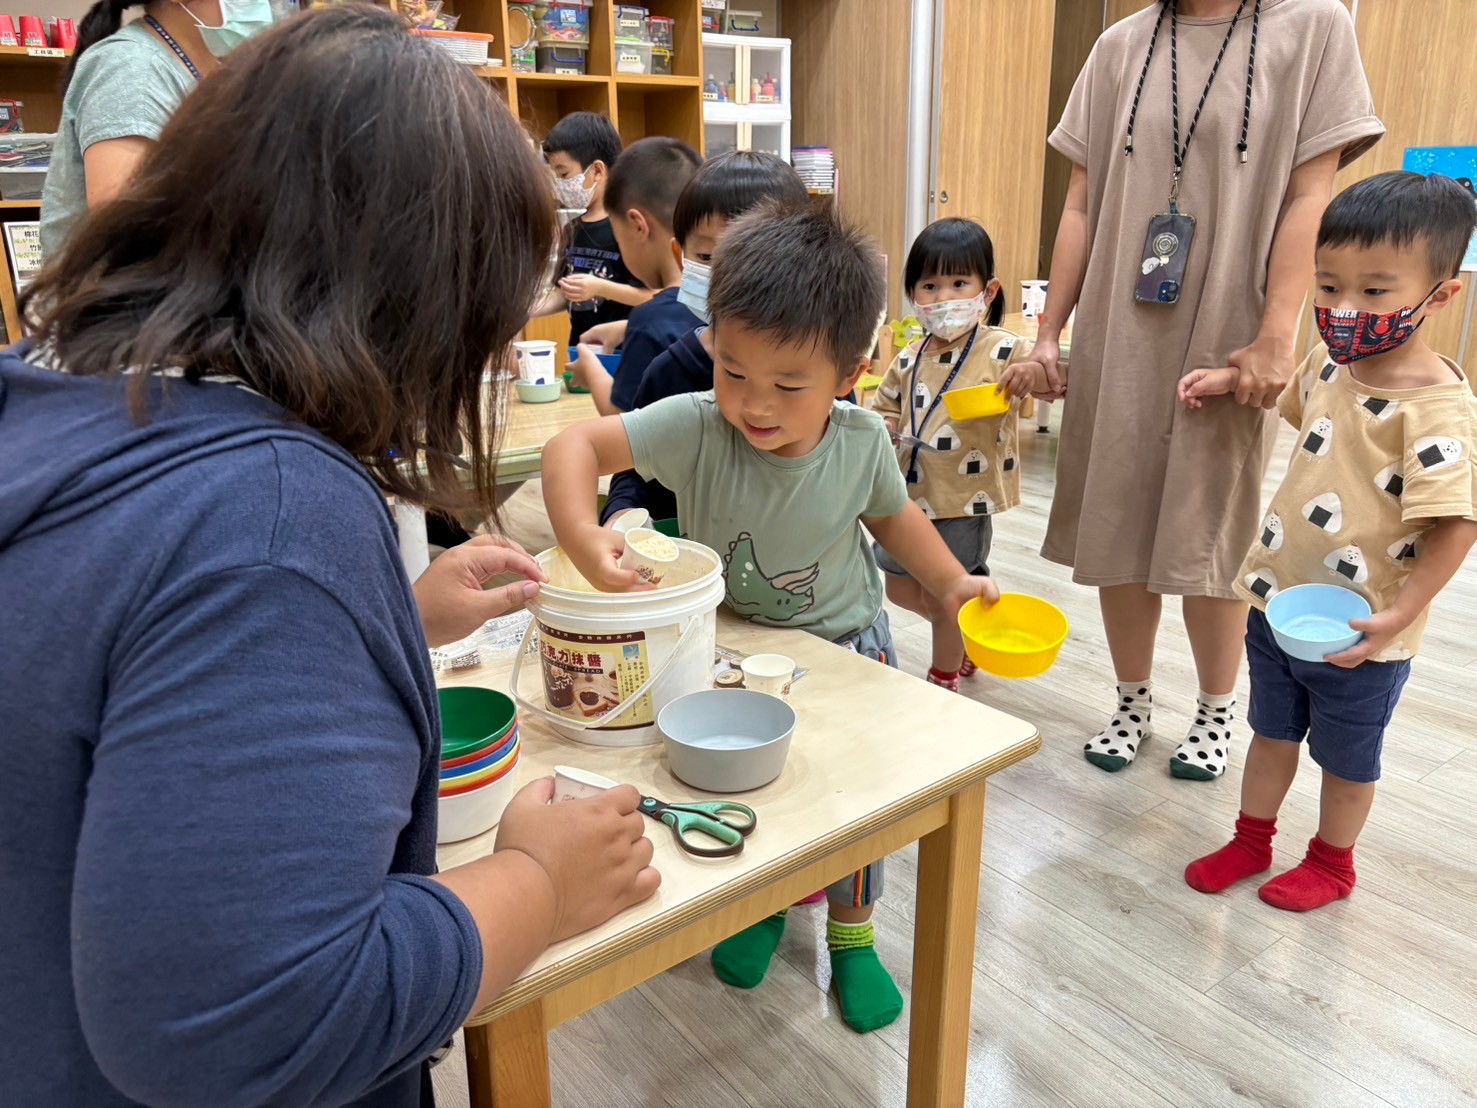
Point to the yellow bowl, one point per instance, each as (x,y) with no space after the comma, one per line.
(979,402)
(1018,637)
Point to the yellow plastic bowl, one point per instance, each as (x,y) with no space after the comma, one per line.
(980,402)
(1018,637)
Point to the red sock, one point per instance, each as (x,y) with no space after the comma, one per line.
(1325,874)
(1248,852)
(967,668)
(946,680)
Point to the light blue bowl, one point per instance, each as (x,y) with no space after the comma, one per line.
(1311,622)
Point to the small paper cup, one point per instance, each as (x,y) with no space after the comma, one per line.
(771,674)
(650,553)
(630,520)
(577,784)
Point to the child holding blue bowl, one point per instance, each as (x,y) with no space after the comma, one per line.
(1380,497)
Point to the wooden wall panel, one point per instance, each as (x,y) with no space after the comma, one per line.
(1078,24)
(993,125)
(849,70)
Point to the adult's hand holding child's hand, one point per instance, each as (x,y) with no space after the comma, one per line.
(1028,378)
(1264,368)
(1200,383)
(595,851)
(1046,357)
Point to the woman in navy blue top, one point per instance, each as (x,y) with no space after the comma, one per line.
(218,722)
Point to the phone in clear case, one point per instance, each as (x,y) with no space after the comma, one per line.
(1166,249)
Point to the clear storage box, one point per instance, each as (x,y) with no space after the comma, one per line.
(663,31)
(569,60)
(661,61)
(22,183)
(633,57)
(632,24)
(564,25)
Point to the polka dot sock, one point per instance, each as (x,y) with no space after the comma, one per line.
(1117,744)
(1324,875)
(1202,756)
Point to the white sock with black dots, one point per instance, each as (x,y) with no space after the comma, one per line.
(1202,756)
(1117,744)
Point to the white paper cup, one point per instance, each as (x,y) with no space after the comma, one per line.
(536,361)
(771,674)
(577,784)
(631,519)
(1033,298)
(656,560)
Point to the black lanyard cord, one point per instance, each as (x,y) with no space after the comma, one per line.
(1181,152)
(176,47)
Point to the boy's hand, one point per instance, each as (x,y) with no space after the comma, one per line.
(967,588)
(1380,630)
(608,336)
(596,552)
(580,287)
(1200,383)
(588,370)
(595,851)
(1024,379)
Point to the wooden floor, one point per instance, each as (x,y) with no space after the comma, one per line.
(1101,978)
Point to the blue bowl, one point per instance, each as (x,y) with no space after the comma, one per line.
(611,362)
(482,762)
(1311,622)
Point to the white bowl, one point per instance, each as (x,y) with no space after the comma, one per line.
(461,817)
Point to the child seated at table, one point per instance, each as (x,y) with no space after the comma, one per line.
(1380,497)
(779,478)
(961,473)
(641,196)
(725,187)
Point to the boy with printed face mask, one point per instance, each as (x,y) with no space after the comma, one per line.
(723,189)
(594,284)
(1380,497)
(960,474)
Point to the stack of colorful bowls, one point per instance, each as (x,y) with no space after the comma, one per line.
(479,760)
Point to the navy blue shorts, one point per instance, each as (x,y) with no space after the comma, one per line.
(1343,713)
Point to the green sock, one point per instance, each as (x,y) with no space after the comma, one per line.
(869,997)
(742,960)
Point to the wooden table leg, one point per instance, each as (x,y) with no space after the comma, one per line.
(943,953)
(508,1060)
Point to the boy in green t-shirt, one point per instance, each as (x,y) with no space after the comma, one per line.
(779,478)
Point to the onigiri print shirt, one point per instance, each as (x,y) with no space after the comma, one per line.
(1372,472)
(961,469)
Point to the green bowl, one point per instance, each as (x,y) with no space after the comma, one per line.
(472,719)
(571,386)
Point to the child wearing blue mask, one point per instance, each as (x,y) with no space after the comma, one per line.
(1380,497)
(723,189)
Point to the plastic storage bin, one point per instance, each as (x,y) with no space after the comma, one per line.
(464,46)
(564,25)
(23,183)
(633,57)
(632,24)
(663,31)
(561,59)
(523,26)
(741,22)
(661,61)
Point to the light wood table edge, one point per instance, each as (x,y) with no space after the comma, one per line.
(783,870)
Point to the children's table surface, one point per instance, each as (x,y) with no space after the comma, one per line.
(525,429)
(879,760)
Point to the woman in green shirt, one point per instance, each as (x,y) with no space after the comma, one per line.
(122,86)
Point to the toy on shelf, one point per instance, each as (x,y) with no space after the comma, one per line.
(564,25)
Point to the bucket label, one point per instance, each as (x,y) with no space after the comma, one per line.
(586,676)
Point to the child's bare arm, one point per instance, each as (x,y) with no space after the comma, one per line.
(551,303)
(573,463)
(1200,383)
(580,287)
(590,373)
(915,543)
(1447,546)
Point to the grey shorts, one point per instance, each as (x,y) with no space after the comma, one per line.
(968,539)
(873,642)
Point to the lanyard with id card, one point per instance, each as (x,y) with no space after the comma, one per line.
(1167,244)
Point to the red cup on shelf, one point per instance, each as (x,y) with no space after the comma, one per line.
(8,37)
(64,34)
(32,32)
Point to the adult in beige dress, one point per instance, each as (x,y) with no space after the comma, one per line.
(1153,499)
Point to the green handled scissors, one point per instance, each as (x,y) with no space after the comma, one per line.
(713,819)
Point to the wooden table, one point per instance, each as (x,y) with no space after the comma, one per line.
(527,428)
(879,760)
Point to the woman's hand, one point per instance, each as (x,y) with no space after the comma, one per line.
(450,596)
(1265,367)
(594,851)
(1050,373)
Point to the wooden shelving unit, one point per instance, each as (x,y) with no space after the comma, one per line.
(31,76)
(638,104)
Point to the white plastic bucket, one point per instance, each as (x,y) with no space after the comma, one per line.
(536,361)
(610,662)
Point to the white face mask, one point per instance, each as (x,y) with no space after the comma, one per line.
(693,292)
(240,20)
(949,319)
(572,193)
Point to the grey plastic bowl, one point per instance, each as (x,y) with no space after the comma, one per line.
(727,740)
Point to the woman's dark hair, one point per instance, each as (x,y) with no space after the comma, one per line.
(281,232)
(587,137)
(102,19)
(1402,209)
(954,248)
(730,184)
